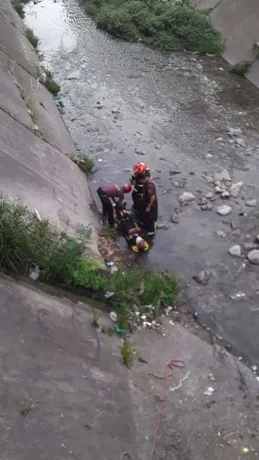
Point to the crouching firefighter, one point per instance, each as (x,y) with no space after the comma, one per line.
(131,231)
(137,194)
(115,193)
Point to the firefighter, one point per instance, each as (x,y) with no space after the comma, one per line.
(115,193)
(149,208)
(137,194)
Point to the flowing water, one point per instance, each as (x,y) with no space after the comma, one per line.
(125,103)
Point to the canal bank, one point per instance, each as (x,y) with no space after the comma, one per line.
(187,118)
(35,145)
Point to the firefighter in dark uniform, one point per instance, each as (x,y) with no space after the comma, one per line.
(137,194)
(149,210)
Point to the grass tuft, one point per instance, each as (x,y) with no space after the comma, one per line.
(127,354)
(50,83)
(32,38)
(86,164)
(171,26)
(240,68)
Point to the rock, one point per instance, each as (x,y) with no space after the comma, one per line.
(237,232)
(209,195)
(208,156)
(173,173)
(234,132)
(221,234)
(74,75)
(253,257)
(235,189)
(235,251)
(251,203)
(222,176)
(162,226)
(225,195)
(176,184)
(207,207)
(140,152)
(186,197)
(116,111)
(157,146)
(175,219)
(240,142)
(219,139)
(224,210)
(203,201)
(218,190)
(250,246)
(257,239)
(202,277)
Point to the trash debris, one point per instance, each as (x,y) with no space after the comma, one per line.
(167,310)
(235,251)
(109,264)
(211,377)
(202,277)
(195,315)
(245,450)
(109,294)
(37,214)
(29,111)
(254,368)
(238,295)
(119,330)
(113,316)
(242,213)
(34,273)
(209,391)
(224,210)
(171,322)
(113,269)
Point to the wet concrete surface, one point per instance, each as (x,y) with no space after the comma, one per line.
(126,103)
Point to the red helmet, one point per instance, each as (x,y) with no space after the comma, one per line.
(127,188)
(139,168)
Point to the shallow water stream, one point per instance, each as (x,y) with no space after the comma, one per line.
(126,103)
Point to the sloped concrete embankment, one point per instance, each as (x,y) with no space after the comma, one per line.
(237,20)
(36,163)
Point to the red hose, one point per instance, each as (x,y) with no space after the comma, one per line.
(160,398)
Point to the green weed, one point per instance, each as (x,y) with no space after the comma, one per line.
(240,68)
(143,288)
(86,164)
(32,38)
(163,23)
(127,354)
(108,233)
(50,83)
(95,318)
(18,6)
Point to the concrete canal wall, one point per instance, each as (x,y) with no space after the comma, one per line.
(238,22)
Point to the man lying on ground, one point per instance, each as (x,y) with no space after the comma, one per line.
(130,230)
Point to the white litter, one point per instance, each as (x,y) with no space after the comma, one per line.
(209,391)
